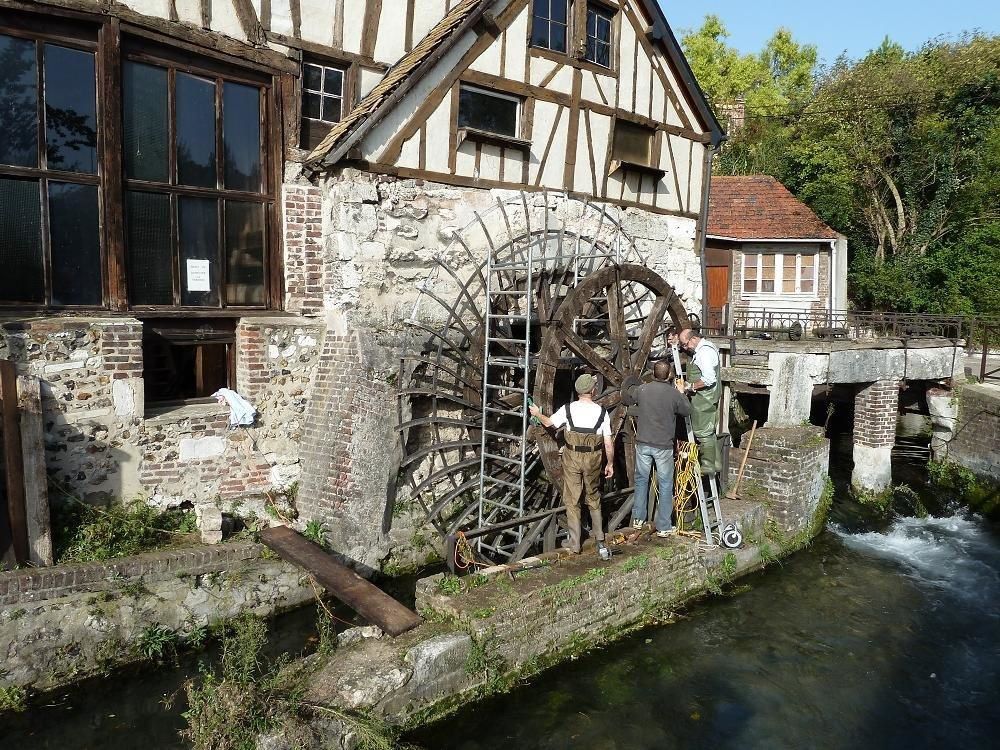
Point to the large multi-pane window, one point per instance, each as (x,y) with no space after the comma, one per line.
(787,273)
(195,203)
(550,24)
(50,238)
(171,210)
(488,111)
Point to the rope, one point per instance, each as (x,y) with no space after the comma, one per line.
(464,556)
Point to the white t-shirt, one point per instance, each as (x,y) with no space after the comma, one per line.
(585,415)
(706,357)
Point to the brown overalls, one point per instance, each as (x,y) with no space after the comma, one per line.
(581,465)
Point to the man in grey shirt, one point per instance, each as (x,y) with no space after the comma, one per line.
(659,406)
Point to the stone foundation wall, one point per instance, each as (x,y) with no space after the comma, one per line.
(68,622)
(976,443)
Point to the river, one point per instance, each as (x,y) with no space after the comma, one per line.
(867,639)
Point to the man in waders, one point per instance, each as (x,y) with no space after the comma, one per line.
(704,386)
(587,429)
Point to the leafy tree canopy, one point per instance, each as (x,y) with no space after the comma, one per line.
(899,150)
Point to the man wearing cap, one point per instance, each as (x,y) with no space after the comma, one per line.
(587,428)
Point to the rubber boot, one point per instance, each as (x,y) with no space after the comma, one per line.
(572,543)
(709,457)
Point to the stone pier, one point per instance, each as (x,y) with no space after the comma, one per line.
(876,406)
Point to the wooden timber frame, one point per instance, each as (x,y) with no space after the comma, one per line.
(593,307)
(13,510)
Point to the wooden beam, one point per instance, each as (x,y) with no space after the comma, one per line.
(323,50)
(36,493)
(572,134)
(369,30)
(13,461)
(249,22)
(366,599)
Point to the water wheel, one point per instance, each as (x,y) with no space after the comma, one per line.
(569,294)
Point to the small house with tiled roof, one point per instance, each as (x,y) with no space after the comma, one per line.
(767,249)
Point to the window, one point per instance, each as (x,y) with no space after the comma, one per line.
(550,24)
(789,273)
(598,49)
(488,111)
(322,100)
(632,143)
(182,199)
(195,203)
(186,361)
(49,183)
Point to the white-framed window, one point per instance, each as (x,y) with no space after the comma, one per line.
(488,111)
(780,273)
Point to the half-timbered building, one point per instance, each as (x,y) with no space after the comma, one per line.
(252,194)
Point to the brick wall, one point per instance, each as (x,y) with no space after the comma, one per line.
(303,216)
(876,408)
(788,466)
(65,623)
(820,304)
(976,444)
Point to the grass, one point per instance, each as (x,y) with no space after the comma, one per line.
(157,642)
(84,533)
(13,698)
(449,585)
(315,531)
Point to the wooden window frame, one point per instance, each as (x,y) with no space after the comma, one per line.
(177,335)
(347,99)
(489,137)
(219,74)
(576,46)
(84,37)
(112,42)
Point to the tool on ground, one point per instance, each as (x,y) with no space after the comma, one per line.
(710,502)
(734,492)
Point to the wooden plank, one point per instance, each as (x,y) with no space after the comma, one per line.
(366,599)
(36,494)
(13,461)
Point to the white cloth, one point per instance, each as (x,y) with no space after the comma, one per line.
(241,412)
(706,359)
(585,414)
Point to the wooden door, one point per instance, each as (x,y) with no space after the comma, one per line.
(718,293)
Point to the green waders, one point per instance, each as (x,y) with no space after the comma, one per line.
(705,420)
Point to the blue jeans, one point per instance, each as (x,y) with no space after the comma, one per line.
(645,456)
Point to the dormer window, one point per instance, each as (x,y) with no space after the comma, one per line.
(550,24)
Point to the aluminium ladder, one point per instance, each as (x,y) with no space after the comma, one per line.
(710,503)
(505,311)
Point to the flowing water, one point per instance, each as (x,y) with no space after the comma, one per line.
(867,639)
(872,639)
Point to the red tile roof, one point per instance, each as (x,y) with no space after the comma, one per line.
(761,208)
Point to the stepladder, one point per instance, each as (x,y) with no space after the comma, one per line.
(709,503)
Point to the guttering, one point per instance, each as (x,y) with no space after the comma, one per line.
(813,240)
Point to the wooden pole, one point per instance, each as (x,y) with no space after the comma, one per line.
(13,461)
(739,477)
(36,495)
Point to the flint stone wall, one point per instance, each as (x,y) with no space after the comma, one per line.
(68,622)
(101,444)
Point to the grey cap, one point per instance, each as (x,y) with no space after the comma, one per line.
(585,384)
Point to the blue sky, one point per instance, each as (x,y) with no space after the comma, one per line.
(852,25)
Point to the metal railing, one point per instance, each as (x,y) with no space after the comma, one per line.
(798,324)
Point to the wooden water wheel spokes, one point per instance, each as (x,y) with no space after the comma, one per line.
(638,306)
